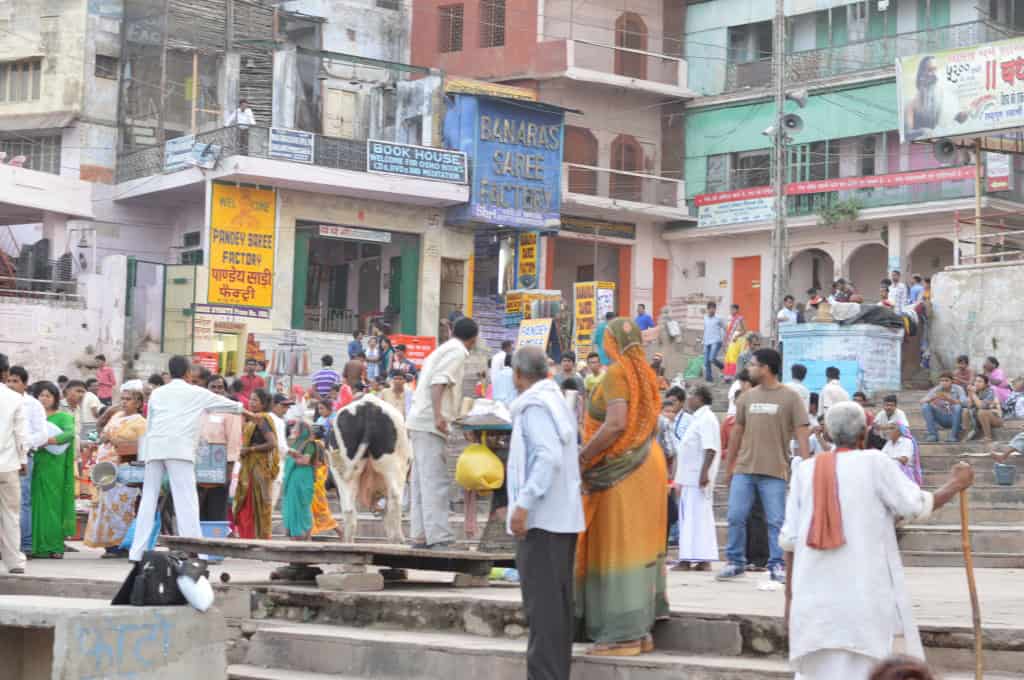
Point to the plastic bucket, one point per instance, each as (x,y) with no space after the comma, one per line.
(1006,475)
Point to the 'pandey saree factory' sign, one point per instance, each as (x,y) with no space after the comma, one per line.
(241,246)
(969,91)
(516,153)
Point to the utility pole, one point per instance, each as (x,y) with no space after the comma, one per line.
(780,239)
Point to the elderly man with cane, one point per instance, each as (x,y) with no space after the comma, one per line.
(545,511)
(846,596)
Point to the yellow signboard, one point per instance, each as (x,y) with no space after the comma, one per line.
(470,86)
(593,299)
(241,246)
(534,332)
(527,267)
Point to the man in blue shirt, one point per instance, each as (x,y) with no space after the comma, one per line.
(916,290)
(643,319)
(355,348)
(714,336)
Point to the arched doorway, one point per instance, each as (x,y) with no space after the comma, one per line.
(628,155)
(867,267)
(581,149)
(631,33)
(811,268)
(930,257)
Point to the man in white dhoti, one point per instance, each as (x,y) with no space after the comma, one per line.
(846,597)
(699,454)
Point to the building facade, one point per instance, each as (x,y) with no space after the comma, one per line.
(859,202)
(621,78)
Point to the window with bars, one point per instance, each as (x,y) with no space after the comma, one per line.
(41,152)
(106,67)
(20,80)
(492,23)
(451,27)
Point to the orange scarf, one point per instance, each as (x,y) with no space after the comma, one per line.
(826,532)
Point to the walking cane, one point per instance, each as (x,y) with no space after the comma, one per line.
(965,533)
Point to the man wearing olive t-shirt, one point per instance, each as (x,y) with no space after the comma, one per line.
(768,417)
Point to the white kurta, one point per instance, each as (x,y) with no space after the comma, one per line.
(853,598)
(698,541)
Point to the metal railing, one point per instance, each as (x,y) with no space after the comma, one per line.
(329,152)
(329,319)
(626,62)
(50,291)
(881,197)
(623,185)
(864,55)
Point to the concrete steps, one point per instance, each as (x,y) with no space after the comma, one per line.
(312,649)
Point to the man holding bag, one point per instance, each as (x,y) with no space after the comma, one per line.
(545,511)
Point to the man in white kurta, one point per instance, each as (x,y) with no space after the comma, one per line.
(848,603)
(699,454)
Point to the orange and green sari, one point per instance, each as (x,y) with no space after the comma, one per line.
(620,557)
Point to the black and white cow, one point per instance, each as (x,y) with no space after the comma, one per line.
(374,455)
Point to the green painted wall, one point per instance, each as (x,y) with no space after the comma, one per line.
(847,113)
(300,274)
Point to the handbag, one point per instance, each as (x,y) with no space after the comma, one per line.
(154,580)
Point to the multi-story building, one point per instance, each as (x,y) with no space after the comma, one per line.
(620,73)
(859,202)
(170,169)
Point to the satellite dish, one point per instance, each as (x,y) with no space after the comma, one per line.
(945,151)
(792,123)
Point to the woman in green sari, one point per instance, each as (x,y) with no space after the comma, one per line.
(53,479)
(304,456)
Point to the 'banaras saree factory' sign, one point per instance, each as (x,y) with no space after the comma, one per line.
(241,246)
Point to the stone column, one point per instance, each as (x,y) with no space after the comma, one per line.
(897,258)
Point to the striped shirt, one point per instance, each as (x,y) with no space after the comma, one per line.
(325,379)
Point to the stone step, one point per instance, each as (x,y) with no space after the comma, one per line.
(931,558)
(249,672)
(405,655)
(418,622)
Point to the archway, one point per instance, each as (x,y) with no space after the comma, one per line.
(811,268)
(867,267)
(930,256)
(581,149)
(628,155)
(631,33)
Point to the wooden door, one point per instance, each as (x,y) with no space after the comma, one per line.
(339,114)
(746,289)
(660,292)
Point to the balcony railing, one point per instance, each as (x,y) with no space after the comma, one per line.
(881,197)
(70,293)
(622,185)
(625,62)
(329,152)
(330,319)
(866,55)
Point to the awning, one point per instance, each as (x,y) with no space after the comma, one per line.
(57,120)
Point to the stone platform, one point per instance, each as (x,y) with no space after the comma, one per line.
(61,638)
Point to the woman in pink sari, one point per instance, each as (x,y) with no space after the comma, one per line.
(734,334)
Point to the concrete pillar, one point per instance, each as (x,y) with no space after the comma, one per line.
(55,228)
(897,257)
(643,267)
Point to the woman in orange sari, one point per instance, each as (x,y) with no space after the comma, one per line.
(259,467)
(620,558)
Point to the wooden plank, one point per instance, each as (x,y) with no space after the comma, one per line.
(330,552)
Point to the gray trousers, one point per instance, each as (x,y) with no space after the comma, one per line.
(430,483)
(546,565)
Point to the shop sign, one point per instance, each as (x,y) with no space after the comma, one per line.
(516,152)
(590,227)
(354,233)
(969,91)
(421,162)
(592,300)
(756,204)
(236,312)
(534,332)
(417,347)
(291,145)
(456,85)
(241,246)
(526,261)
(208,360)
(997,171)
